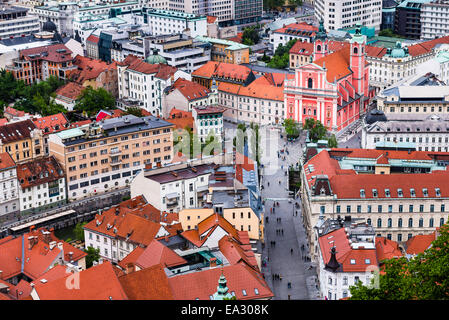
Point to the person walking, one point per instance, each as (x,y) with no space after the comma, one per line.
(291,251)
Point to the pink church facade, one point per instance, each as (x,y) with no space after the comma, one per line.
(334,88)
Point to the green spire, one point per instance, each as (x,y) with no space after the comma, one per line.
(222,289)
(358,36)
(321,34)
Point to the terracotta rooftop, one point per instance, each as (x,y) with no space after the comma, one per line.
(302,48)
(93,38)
(39,171)
(336,63)
(14,112)
(302,29)
(98,283)
(89,68)
(236,252)
(208,109)
(156,253)
(161,71)
(53,53)
(70,90)
(147,284)
(242,280)
(16,131)
(213,69)
(419,243)
(387,249)
(190,90)
(6,162)
(3,121)
(51,124)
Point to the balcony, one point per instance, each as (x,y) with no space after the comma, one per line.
(114,152)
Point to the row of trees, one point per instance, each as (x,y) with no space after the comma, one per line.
(277,4)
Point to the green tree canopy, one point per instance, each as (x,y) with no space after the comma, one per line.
(281,56)
(92,255)
(332,142)
(93,100)
(291,128)
(423,277)
(250,36)
(79,231)
(317,131)
(136,111)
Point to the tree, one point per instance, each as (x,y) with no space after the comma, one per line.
(389,33)
(136,111)
(93,100)
(291,128)
(281,56)
(423,277)
(317,131)
(332,142)
(92,255)
(79,231)
(250,36)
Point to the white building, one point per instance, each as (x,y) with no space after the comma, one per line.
(346,14)
(42,184)
(222,9)
(434,22)
(163,22)
(348,253)
(303,32)
(173,188)
(14,21)
(144,82)
(9,193)
(208,121)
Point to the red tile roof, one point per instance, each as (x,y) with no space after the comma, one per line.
(302,26)
(426,46)
(96,283)
(235,252)
(131,257)
(48,53)
(14,112)
(89,69)
(214,69)
(161,71)
(211,19)
(375,52)
(419,243)
(203,284)
(156,253)
(79,123)
(93,38)
(70,90)
(336,63)
(22,289)
(208,109)
(147,284)
(190,90)
(3,121)
(260,88)
(302,48)
(6,161)
(16,131)
(387,249)
(51,124)
(39,171)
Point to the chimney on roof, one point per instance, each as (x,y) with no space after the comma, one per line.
(30,243)
(129,268)
(1,275)
(46,237)
(213,262)
(117,211)
(70,256)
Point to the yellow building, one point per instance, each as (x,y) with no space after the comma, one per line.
(242,219)
(227,51)
(22,140)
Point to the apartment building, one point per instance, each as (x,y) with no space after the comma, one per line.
(144,82)
(400,193)
(179,50)
(407,21)
(9,192)
(227,51)
(208,121)
(49,125)
(15,21)
(434,22)
(22,140)
(346,14)
(261,102)
(164,22)
(349,252)
(417,132)
(40,63)
(42,184)
(303,32)
(222,9)
(92,46)
(185,95)
(102,156)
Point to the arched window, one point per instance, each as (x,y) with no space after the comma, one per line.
(356,50)
(390,222)
(410,222)
(318,48)
(441,221)
(421,222)
(368,221)
(400,222)
(431,223)
(310,83)
(379,223)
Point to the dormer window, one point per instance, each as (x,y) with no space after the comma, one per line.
(400,194)
(437,192)
(322,191)
(362,193)
(352,261)
(367,261)
(375,193)
(244,292)
(412,192)
(424,192)
(387,193)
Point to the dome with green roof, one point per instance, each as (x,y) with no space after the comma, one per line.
(156,59)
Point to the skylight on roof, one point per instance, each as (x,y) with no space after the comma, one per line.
(437,192)
(352,261)
(412,192)
(244,292)
(387,193)
(367,261)
(424,192)
(400,194)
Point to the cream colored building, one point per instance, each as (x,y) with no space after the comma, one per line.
(399,203)
(106,155)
